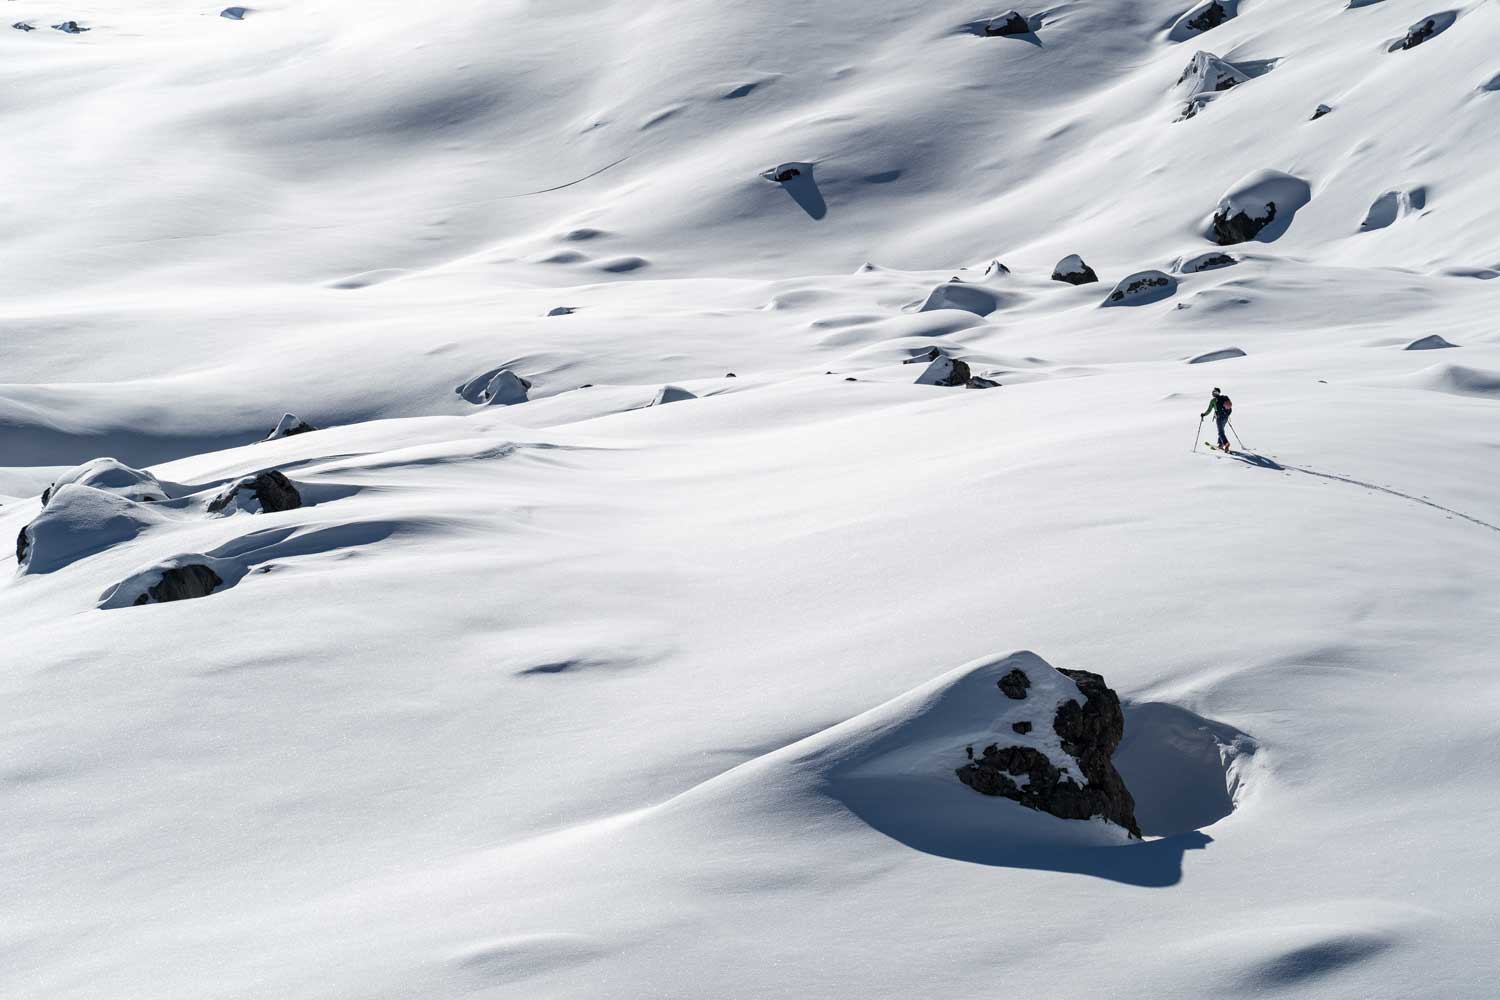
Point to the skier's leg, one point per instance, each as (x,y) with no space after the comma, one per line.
(1223,419)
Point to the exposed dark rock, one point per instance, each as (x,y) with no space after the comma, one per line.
(785,174)
(1014,684)
(1240,227)
(1021,727)
(234,13)
(945,372)
(71,27)
(1320,111)
(980,382)
(272,491)
(1210,17)
(23,26)
(1419,34)
(22,544)
(562,311)
(1090,731)
(46,495)
(1074,271)
(289,425)
(1140,286)
(181,583)
(730,375)
(1009,23)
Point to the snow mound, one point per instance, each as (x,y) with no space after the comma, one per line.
(1142,288)
(112,476)
(962,295)
(1458,380)
(1210,261)
(1424,30)
(1224,355)
(1393,205)
(1260,206)
(671,394)
(1432,342)
(1205,16)
(1184,771)
(80,521)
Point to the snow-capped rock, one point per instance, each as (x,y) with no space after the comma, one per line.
(265,492)
(1204,16)
(1260,206)
(1074,271)
(288,425)
(1008,23)
(1142,288)
(944,371)
(80,521)
(112,476)
(1210,261)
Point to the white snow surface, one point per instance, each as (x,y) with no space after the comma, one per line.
(585,697)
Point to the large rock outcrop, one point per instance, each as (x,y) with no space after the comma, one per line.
(1059,765)
(1074,271)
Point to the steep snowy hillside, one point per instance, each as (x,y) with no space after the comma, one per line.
(585,500)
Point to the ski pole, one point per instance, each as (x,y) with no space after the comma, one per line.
(1236,435)
(1199,434)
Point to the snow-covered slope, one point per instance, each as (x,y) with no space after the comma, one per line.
(638,602)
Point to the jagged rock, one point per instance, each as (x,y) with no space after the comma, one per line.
(1074,271)
(1205,78)
(980,382)
(1204,16)
(1209,16)
(1142,288)
(945,371)
(1014,684)
(1089,725)
(1419,33)
(671,394)
(784,173)
(289,425)
(23,545)
(266,492)
(1320,111)
(1021,727)
(1241,226)
(181,583)
(1009,23)
(70,27)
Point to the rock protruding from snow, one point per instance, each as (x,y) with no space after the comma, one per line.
(24,26)
(1142,288)
(786,172)
(266,492)
(288,425)
(79,521)
(1074,271)
(1425,30)
(1224,355)
(1211,261)
(1204,16)
(1086,723)
(70,28)
(496,387)
(234,13)
(112,476)
(945,371)
(1260,206)
(671,394)
(1009,23)
(562,311)
(1433,342)
(1320,111)
(1205,77)
(180,582)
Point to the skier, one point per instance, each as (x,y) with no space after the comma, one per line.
(1221,407)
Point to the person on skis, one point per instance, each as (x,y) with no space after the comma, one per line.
(1221,407)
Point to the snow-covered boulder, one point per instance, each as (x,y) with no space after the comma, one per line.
(1432,342)
(112,476)
(969,297)
(1205,78)
(671,394)
(1064,727)
(496,387)
(1204,16)
(79,521)
(1074,271)
(1210,261)
(263,493)
(288,425)
(1424,30)
(180,578)
(1259,206)
(1142,288)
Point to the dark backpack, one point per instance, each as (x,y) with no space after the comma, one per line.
(1226,405)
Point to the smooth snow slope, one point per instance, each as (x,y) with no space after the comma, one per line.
(587,697)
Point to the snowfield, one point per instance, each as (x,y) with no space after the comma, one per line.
(687,431)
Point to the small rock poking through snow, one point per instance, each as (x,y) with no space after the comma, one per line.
(288,425)
(1203,17)
(1211,261)
(1074,271)
(1260,206)
(234,13)
(1205,77)
(1142,288)
(1009,23)
(71,28)
(1425,30)
(1320,111)
(1077,710)
(1432,342)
